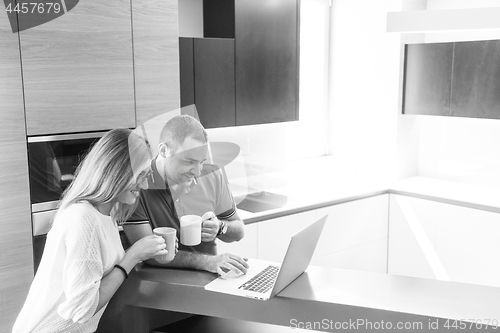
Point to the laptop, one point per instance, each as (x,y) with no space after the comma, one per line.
(265,279)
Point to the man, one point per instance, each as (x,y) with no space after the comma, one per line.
(182,183)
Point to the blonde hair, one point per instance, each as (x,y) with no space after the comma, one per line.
(109,168)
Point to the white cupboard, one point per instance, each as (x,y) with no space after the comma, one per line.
(354,237)
(393,234)
(437,240)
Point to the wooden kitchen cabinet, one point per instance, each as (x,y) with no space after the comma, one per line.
(16,251)
(214,81)
(207,79)
(156,57)
(267,61)
(256,81)
(78,70)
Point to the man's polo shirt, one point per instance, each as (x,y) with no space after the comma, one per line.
(162,206)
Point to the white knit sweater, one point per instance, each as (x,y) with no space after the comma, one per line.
(82,247)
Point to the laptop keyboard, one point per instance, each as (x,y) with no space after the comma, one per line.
(263,281)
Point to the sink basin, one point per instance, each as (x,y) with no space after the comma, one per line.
(261,201)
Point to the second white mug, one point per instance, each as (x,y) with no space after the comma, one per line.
(190,230)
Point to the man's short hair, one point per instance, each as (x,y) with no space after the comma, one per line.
(180,127)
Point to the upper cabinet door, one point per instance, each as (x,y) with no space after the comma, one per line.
(186,70)
(214,81)
(476,79)
(78,70)
(156,57)
(267,61)
(428,69)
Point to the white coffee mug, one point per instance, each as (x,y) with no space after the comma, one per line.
(190,230)
(169,235)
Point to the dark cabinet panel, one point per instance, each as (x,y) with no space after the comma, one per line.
(218,18)
(428,69)
(186,64)
(476,80)
(214,86)
(251,79)
(266,37)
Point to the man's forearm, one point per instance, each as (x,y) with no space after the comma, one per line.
(235,231)
(185,259)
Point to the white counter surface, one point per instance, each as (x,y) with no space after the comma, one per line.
(322,182)
(462,194)
(316,183)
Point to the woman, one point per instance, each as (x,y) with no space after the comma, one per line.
(84,263)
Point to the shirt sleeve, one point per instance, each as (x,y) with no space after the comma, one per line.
(83,268)
(226,206)
(140,213)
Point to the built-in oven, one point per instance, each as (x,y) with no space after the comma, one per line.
(52,163)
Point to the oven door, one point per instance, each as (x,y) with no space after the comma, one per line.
(52,163)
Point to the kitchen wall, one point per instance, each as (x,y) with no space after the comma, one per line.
(458,149)
(367,128)
(364,95)
(191,18)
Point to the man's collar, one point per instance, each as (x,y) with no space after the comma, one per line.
(156,178)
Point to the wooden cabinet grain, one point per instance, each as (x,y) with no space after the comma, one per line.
(156,57)
(78,70)
(16,251)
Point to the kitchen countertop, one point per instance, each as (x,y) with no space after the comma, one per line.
(337,184)
(456,193)
(321,293)
(314,183)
